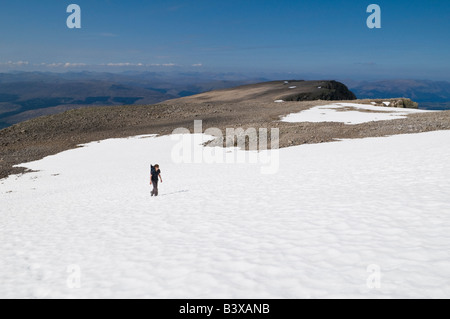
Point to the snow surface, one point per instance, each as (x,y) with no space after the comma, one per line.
(333,212)
(336,113)
(279,101)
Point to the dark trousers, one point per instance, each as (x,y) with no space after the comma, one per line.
(155,188)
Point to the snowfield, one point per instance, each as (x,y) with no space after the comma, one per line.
(339,113)
(85,226)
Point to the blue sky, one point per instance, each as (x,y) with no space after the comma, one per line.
(327,38)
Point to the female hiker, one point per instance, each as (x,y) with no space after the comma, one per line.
(155,172)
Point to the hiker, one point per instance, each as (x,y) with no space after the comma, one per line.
(155,172)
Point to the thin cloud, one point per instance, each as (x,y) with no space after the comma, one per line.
(17,63)
(63,65)
(70,65)
(129,64)
(163,64)
(122,64)
(75,65)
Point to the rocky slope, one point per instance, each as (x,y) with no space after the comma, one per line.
(245,106)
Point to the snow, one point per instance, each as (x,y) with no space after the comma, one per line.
(387,103)
(338,113)
(292,87)
(279,101)
(332,213)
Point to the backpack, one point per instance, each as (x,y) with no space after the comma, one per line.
(152,169)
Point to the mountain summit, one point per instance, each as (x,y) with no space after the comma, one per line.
(280,91)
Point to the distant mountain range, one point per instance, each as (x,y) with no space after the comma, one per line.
(26,95)
(429,94)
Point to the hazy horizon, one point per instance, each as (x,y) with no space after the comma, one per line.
(228,76)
